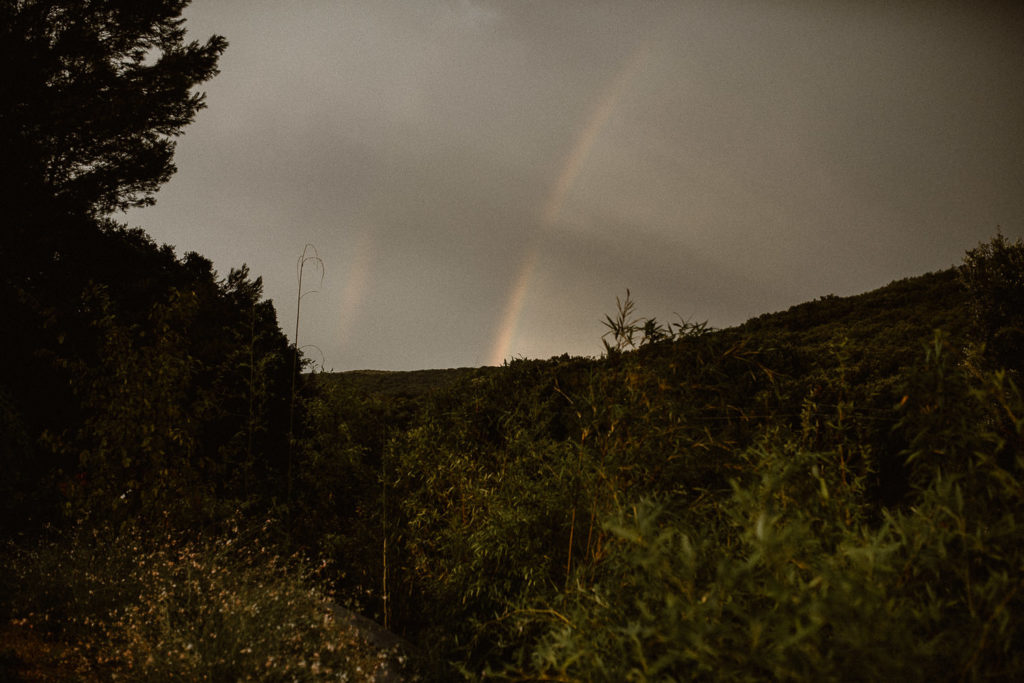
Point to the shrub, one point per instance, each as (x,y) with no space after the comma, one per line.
(993,274)
(796,582)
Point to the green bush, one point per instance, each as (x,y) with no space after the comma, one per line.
(993,274)
(795,582)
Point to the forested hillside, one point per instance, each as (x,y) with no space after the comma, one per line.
(832,492)
(746,502)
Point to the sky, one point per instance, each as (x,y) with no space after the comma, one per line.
(482,179)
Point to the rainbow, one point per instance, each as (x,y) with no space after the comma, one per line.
(552,209)
(355,285)
(514,307)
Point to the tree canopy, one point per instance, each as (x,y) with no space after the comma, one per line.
(94,93)
(124,370)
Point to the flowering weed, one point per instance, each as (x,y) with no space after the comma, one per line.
(128,605)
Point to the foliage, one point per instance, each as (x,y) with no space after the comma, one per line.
(993,275)
(173,421)
(94,93)
(710,504)
(797,498)
(181,411)
(138,606)
(133,372)
(798,585)
(630,332)
(140,393)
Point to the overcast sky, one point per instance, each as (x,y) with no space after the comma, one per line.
(482,179)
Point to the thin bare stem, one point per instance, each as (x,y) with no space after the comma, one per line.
(300,266)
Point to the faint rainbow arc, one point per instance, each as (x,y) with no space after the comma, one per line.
(514,307)
(355,285)
(571,170)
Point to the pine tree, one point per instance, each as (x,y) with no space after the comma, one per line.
(94,93)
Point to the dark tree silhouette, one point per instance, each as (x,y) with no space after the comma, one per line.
(94,93)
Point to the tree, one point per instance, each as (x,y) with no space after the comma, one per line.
(993,274)
(94,93)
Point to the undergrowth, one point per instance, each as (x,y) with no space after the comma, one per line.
(139,606)
(793,578)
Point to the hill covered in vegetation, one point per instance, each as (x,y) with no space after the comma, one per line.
(734,503)
(830,492)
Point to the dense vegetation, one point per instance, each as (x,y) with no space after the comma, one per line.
(833,492)
(828,493)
